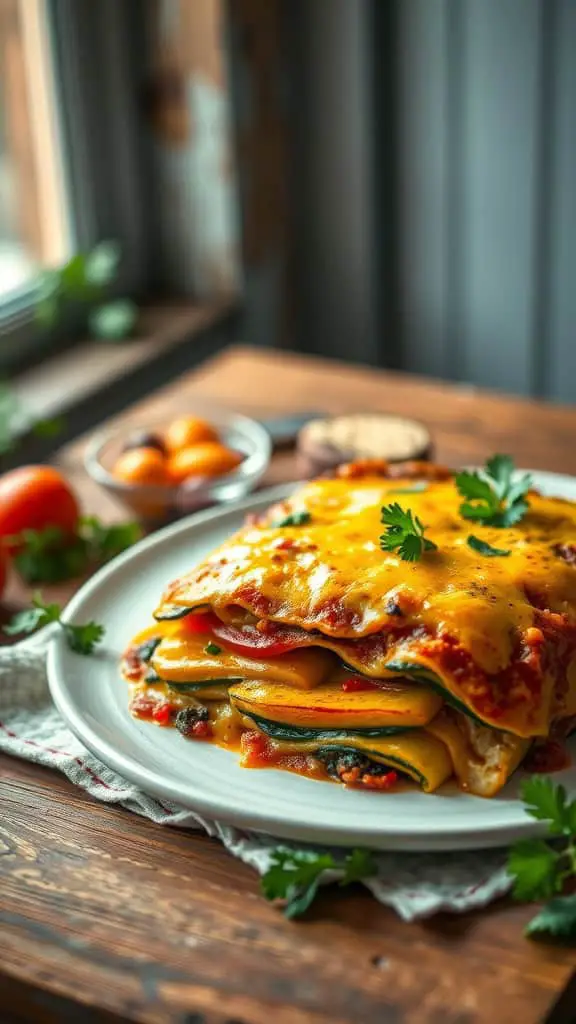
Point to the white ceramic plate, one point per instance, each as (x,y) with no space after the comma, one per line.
(92,697)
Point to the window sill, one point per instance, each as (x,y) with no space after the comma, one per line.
(96,379)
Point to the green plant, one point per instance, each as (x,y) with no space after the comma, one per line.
(83,284)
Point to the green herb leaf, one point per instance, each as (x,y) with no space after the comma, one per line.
(493,498)
(547,802)
(49,427)
(483,548)
(102,264)
(73,276)
(294,519)
(358,865)
(540,869)
(106,540)
(212,649)
(25,622)
(404,534)
(115,321)
(294,875)
(533,864)
(82,639)
(557,918)
(49,556)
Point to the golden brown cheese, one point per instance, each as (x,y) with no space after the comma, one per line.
(482,624)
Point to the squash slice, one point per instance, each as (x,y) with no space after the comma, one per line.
(179,660)
(415,752)
(395,704)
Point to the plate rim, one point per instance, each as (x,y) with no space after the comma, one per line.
(390,836)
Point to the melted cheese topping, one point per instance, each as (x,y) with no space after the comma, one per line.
(330,574)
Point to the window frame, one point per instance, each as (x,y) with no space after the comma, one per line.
(98,113)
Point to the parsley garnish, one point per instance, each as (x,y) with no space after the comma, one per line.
(50,556)
(485,549)
(404,533)
(212,649)
(294,875)
(82,639)
(497,499)
(540,870)
(294,519)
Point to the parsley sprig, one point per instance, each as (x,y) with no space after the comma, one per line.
(50,556)
(483,548)
(294,875)
(404,533)
(81,639)
(541,870)
(294,519)
(492,496)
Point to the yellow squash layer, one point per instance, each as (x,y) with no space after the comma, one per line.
(187,660)
(417,754)
(396,704)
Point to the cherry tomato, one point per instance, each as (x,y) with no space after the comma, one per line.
(187,431)
(34,497)
(141,466)
(207,459)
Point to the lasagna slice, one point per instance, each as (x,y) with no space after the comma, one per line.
(304,645)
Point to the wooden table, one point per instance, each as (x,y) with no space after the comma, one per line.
(107,917)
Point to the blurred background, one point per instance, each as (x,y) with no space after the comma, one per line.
(389,182)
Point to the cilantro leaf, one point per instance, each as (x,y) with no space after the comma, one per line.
(294,519)
(533,864)
(358,865)
(547,802)
(404,533)
(212,648)
(540,869)
(25,622)
(294,875)
(82,639)
(492,496)
(51,556)
(500,468)
(104,540)
(558,917)
(483,548)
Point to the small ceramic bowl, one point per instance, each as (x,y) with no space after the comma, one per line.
(155,505)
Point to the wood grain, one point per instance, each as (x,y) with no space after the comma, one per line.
(105,916)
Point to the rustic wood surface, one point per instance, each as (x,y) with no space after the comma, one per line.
(107,917)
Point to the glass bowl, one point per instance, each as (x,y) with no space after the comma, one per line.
(158,504)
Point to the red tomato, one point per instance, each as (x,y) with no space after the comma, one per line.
(34,497)
(248,640)
(251,641)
